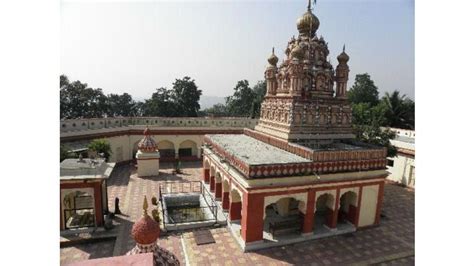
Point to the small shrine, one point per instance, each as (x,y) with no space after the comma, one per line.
(145,232)
(83,191)
(148,156)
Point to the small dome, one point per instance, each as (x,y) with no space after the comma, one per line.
(147,144)
(146,230)
(308,23)
(273,59)
(297,52)
(343,57)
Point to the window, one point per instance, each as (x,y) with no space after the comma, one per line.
(185,152)
(390,162)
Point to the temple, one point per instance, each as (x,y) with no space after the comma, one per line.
(300,174)
(148,156)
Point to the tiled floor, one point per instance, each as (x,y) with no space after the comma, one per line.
(391,243)
(87,251)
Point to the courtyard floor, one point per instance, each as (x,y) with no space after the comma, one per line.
(391,243)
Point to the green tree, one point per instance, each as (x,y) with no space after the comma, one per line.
(64,152)
(77,100)
(364,114)
(399,110)
(185,96)
(217,110)
(374,134)
(240,103)
(363,91)
(101,146)
(121,105)
(160,104)
(259,91)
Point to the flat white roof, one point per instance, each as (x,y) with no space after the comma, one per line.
(253,151)
(74,169)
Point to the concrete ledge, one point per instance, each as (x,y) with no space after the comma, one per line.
(266,243)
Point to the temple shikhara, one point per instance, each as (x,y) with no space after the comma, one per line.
(300,174)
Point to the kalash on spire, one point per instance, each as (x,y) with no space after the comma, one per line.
(306,99)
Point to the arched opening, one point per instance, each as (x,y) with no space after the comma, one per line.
(166,149)
(283,217)
(324,212)
(235,210)
(187,150)
(218,186)
(225,195)
(347,208)
(78,208)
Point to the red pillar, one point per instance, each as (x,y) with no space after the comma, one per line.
(333,219)
(98,205)
(379,203)
(205,173)
(218,190)
(234,211)
(309,216)
(252,218)
(225,200)
(213,183)
(359,201)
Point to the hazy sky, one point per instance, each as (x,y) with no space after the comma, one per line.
(136,47)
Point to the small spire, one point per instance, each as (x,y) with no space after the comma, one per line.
(344,48)
(309,5)
(145,207)
(273,50)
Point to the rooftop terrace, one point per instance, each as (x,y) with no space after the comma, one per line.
(254,152)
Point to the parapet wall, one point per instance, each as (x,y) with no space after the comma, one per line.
(74,125)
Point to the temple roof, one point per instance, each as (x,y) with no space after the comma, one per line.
(254,152)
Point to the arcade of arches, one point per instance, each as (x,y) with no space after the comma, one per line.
(265,213)
(186,150)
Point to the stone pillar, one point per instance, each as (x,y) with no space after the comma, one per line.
(308,223)
(199,152)
(218,191)
(379,203)
(252,218)
(332,223)
(225,200)
(205,173)
(212,183)
(235,211)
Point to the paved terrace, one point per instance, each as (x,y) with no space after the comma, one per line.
(391,243)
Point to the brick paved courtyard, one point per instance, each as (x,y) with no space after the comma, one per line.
(391,243)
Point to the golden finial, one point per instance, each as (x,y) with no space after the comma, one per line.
(145,207)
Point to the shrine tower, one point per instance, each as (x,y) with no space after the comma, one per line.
(301,104)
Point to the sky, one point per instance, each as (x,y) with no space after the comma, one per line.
(136,47)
